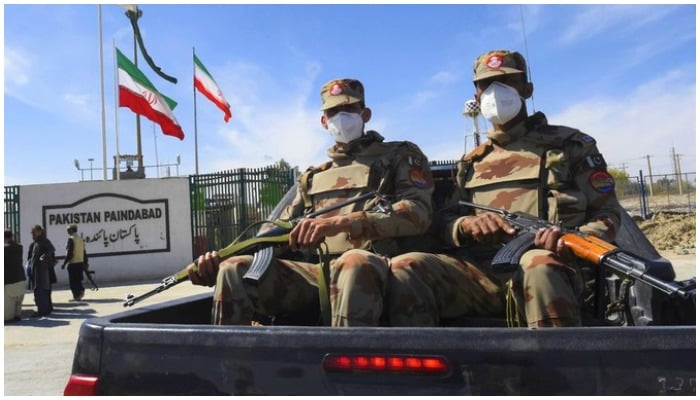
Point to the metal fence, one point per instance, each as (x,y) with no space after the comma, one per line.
(12,210)
(663,192)
(225,203)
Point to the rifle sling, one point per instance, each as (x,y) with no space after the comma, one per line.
(323,282)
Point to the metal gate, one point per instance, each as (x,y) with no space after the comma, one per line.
(12,210)
(225,203)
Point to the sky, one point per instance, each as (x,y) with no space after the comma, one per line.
(624,74)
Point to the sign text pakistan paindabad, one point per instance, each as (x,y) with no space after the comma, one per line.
(112,224)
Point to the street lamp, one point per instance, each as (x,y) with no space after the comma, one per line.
(91,160)
(77,166)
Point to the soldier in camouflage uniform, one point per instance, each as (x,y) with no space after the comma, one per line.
(527,165)
(359,238)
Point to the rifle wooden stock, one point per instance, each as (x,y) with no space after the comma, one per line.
(657,274)
(588,247)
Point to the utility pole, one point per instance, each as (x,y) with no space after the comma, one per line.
(651,178)
(677,169)
(623,166)
(680,174)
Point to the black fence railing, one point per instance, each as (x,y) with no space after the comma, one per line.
(663,192)
(223,204)
(12,210)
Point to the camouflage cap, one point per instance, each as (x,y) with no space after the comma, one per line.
(341,91)
(498,62)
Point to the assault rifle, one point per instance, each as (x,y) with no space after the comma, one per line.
(589,248)
(261,246)
(88,275)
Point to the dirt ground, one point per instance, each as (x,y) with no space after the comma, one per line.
(672,225)
(671,231)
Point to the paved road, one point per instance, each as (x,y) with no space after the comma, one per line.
(39,352)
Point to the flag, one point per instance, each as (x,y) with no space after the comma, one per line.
(138,94)
(204,82)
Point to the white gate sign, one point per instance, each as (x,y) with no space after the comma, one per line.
(112,224)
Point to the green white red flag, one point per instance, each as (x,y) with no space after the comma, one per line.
(138,94)
(206,85)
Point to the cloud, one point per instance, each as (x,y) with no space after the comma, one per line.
(273,119)
(78,100)
(649,120)
(528,15)
(594,20)
(444,78)
(18,69)
(417,100)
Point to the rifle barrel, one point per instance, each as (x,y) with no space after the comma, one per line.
(487,208)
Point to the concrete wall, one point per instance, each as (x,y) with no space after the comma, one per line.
(134,230)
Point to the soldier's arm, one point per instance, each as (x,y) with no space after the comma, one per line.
(450,222)
(411,202)
(595,182)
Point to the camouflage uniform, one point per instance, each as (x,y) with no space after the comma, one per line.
(359,258)
(553,172)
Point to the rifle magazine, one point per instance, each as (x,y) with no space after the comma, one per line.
(261,262)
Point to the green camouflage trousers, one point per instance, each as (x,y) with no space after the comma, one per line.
(425,288)
(357,282)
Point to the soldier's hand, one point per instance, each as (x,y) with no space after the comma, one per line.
(487,227)
(207,269)
(310,231)
(550,239)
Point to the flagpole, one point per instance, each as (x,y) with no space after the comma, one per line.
(139,152)
(194,95)
(102,97)
(116,106)
(155,144)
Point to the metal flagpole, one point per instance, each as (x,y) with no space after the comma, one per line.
(194,94)
(102,97)
(155,144)
(139,151)
(116,105)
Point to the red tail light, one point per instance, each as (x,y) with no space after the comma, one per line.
(418,364)
(81,385)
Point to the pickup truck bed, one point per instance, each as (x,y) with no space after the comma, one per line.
(170,348)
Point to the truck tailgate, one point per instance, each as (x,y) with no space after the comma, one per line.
(162,359)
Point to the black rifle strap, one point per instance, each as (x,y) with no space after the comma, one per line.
(323,283)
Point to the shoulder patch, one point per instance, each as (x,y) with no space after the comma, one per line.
(602,182)
(595,161)
(419,179)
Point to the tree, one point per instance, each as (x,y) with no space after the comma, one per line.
(622,182)
(276,183)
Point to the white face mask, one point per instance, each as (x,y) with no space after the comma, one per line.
(345,126)
(500,103)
